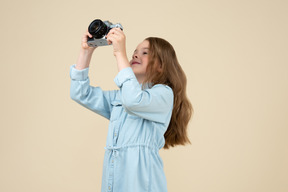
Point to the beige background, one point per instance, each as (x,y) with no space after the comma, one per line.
(233,52)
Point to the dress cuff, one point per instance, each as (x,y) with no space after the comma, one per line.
(123,76)
(78,75)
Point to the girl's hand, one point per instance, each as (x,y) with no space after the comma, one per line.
(84,44)
(117,38)
(86,52)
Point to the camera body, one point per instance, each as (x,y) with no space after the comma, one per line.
(99,29)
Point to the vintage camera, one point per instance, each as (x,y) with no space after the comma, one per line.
(99,29)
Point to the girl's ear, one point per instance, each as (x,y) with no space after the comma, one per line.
(159,67)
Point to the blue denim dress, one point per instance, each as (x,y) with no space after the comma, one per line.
(138,120)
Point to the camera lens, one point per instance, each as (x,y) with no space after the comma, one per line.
(97,29)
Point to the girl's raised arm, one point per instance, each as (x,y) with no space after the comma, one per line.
(93,98)
(85,53)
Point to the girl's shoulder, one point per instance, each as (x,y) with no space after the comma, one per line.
(162,89)
(162,86)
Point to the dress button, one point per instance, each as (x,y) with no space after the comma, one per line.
(115,134)
(112,160)
(109,188)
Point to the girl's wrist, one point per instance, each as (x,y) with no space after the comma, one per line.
(122,61)
(87,52)
(120,55)
(84,58)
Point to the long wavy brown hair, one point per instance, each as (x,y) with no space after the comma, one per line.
(164,68)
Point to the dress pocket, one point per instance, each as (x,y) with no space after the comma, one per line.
(116,110)
(116,103)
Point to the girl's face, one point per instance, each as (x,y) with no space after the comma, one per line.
(139,60)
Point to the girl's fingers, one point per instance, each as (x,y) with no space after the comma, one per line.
(116,31)
(88,35)
(110,39)
(85,37)
(116,36)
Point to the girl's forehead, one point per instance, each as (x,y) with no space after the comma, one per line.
(143,44)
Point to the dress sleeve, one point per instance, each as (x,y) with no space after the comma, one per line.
(154,104)
(93,98)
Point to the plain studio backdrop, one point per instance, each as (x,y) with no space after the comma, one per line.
(234,54)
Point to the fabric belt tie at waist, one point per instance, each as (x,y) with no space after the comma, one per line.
(116,149)
(113,150)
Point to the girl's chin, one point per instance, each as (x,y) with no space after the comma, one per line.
(135,65)
(137,71)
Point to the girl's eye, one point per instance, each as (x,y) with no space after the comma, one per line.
(144,53)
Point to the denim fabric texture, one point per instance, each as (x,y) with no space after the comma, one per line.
(138,120)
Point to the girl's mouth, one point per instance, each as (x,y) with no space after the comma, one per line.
(135,63)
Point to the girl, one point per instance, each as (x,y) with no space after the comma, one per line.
(149,111)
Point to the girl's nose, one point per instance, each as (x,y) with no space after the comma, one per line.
(135,56)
